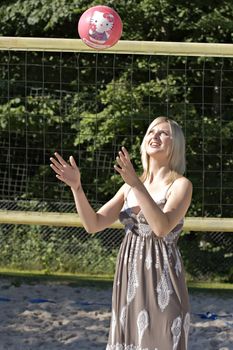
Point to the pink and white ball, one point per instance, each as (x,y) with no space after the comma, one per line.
(100,27)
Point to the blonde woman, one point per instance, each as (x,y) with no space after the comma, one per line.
(150,305)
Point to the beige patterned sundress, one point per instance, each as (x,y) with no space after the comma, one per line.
(150,304)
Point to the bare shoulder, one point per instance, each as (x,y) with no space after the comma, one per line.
(183,182)
(181,185)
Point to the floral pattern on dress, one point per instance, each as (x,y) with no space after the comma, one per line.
(133,276)
(163,291)
(142,324)
(123,317)
(149,260)
(126,347)
(152,288)
(176,332)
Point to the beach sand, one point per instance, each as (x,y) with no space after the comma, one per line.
(58,316)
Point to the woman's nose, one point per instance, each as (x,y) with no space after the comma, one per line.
(155,135)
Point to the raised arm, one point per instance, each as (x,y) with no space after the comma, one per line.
(92,221)
(163,221)
(160,221)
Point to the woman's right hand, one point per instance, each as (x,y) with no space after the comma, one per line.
(67,173)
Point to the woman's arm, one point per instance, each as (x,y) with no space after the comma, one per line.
(104,217)
(92,221)
(160,221)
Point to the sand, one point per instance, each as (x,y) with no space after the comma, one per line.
(57,316)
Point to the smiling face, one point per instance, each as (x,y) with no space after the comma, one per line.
(158,139)
(163,143)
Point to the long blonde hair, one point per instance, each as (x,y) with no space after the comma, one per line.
(177,161)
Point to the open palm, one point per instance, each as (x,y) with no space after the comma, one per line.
(67,173)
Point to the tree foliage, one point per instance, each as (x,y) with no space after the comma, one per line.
(124,103)
(90,105)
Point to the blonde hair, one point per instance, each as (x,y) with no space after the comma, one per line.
(177,160)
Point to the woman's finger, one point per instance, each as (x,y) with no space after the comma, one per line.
(122,157)
(60,159)
(125,159)
(72,162)
(57,170)
(56,163)
(118,169)
(120,162)
(60,178)
(125,152)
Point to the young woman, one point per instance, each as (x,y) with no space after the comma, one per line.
(150,307)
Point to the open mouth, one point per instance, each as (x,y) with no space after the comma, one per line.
(154,144)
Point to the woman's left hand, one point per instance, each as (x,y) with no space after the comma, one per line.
(125,168)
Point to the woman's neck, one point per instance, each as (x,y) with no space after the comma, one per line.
(159,175)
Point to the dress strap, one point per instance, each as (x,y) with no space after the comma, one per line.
(166,192)
(126,196)
(130,188)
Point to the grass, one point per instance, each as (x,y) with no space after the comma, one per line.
(218,288)
(100,281)
(34,277)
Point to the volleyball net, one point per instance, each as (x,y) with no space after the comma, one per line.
(60,95)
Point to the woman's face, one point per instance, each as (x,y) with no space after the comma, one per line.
(158,139)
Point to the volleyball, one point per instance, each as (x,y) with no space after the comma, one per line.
(100,27)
